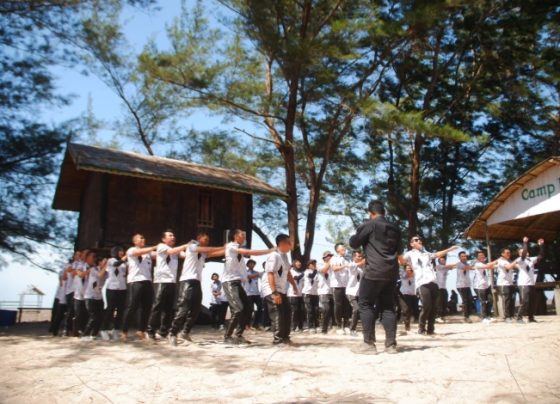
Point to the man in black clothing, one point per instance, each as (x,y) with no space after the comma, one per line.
(381,242)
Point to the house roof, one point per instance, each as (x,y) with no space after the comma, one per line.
(80,159)
(546,225)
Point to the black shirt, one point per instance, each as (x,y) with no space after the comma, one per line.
(381,242)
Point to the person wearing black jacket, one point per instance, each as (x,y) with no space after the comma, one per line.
(381,242)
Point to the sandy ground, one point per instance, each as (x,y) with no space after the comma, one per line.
(508,363)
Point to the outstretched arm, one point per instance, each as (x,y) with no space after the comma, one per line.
(141,251)
(255,253)
(443,253)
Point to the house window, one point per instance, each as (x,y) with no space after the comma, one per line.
(205,215)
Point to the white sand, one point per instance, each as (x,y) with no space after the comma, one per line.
(498,363)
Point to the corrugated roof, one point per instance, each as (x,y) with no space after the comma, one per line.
(81,157)
(546,225)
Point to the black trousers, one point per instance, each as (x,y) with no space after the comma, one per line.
(189,304)
(280,315)
(341,307)
(527,306)
(327,302)
(380,293)
(428,296)
(257,309)
(442,302)
(69,322)
(95,312)
(484,299)
(58,318)
(116,302)
(311,308)
(409,306)
(355,311)
(80,317)
(240,308)
(54,310)
(162,309)
(140,296)
(467,297)
(298,312)
(507,298)
(214,313)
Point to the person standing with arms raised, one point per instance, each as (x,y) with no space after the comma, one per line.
(234,273)
(426,281)
(381,242)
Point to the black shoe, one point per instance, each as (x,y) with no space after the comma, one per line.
(532,320)
(229,341)
(185,336)
(422,332)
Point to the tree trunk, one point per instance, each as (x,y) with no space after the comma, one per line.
(415,179)
(287,151)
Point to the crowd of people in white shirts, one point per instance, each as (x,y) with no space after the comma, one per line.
(143,285)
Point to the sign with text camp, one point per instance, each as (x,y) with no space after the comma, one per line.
(538,196)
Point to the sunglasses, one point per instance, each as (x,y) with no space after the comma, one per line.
(416,239)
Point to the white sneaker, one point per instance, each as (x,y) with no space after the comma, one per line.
(485,321)
(440,320)
(116,335)
(172,340)
(221,328)
(492,319)
(104,335)
(346,331)
(340,331)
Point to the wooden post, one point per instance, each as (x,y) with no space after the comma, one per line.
(496,298)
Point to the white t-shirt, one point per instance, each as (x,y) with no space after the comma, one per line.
(354,277)
(60,293)
(278,264)
(407,284)
(69,284)
(505,276)
(526,276)
(323,287)
(139,268)
(252,285)
(463,276)
(79,282)
(480,276)
(310,282)
(441,276)
(216,287)
(338,279)
(116,275)
(298,277)
(193,264)
(235,267)
(93,285)
(166,265)
(421,263)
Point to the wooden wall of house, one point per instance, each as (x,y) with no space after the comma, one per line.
(92,212)
(134,205)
